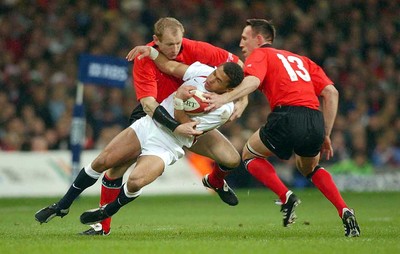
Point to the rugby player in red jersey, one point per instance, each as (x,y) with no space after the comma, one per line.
(292,84)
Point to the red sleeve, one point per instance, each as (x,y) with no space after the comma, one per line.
(204,53)
(256,65)
(144,78)
(319,78)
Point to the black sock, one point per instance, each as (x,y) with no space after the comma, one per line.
(113,207)
(111,183)
(82,181)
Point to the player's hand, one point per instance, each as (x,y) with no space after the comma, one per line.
(140,51)
(184,93)
(188,129)
(327,148)
(214,100)
(240,106)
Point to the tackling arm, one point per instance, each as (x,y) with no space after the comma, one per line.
(152,108)
(168,66)
(164,64)
(248,85)
(181,95)
(149,105)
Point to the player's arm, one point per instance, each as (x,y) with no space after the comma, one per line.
(153,109)
(161,115)
(181,95)
(149,105)
(248,85)
(330,98)
(239,107)
(164,64)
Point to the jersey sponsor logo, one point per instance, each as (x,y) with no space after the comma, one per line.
(230,57)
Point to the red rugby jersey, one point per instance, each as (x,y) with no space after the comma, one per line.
(287,79)
(149,81)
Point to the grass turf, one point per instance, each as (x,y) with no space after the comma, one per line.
(203,224)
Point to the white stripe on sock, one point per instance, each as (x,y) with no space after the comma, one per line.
(131,194)
(91,172)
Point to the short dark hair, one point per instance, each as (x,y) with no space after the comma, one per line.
(234,72)
(263,27)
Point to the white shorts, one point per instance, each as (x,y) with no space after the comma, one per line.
(157,141)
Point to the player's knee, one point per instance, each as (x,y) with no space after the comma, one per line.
(102,161)
(230,159)
(246,155)
(135,183)
(232,162)
(117,172)
(313,171)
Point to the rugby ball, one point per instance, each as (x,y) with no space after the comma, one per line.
(195,104)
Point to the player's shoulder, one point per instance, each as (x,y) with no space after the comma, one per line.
(203,67)
(197,69)
(189,45)
(191,42)
(144,64)
(198,46)
(290,53)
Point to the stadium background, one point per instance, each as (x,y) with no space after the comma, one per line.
(356,42)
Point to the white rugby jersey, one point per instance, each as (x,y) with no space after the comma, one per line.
(196,76)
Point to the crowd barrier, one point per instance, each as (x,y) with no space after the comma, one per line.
(46,174)
(41,174)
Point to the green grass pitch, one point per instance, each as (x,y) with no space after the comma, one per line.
(203,224)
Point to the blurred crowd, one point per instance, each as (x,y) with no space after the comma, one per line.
(357,42)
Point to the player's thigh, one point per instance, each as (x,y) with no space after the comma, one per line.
(216,146)
(255,147)
(123,148)
(147,169)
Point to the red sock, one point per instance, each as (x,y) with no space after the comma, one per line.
(217,176)
(264,172)
(324,182)
(108,195)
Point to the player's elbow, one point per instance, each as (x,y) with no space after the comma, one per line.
(330,92)
(167,68)
(149,105)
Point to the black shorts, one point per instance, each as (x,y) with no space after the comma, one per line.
(136,114)
(293,129)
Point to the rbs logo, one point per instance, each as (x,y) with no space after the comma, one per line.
(107,71)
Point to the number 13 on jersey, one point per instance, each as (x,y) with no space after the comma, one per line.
(299,72)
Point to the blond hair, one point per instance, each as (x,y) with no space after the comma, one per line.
(168,22)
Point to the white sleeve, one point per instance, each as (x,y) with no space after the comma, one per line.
(214,119)
(197,69)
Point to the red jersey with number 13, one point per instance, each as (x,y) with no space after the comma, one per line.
(149,81)
(287,79)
